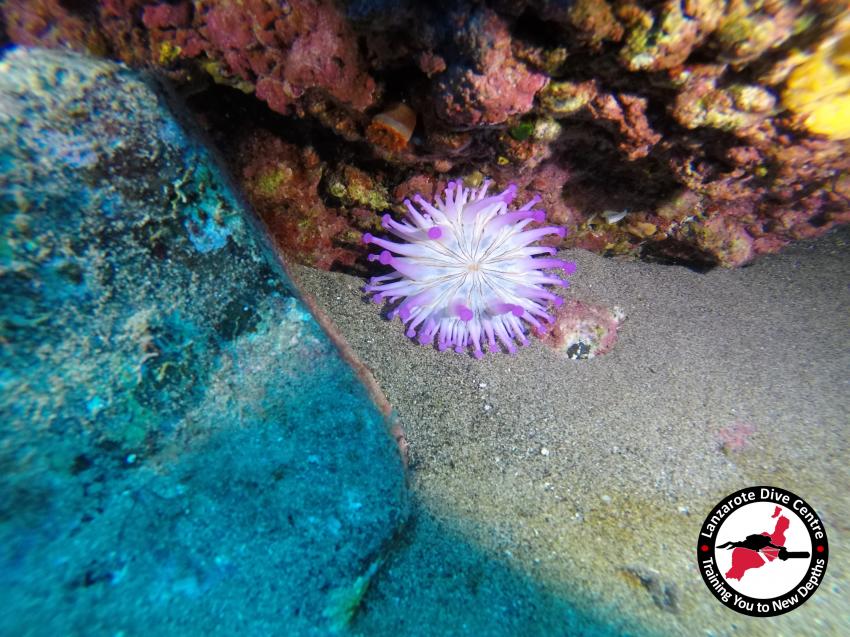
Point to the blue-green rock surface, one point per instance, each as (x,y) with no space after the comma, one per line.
(182,450)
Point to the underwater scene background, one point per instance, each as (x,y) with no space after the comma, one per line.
(211,214)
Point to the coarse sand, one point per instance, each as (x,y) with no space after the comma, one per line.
(591,478)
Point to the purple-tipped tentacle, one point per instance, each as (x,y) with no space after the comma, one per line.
(531,203)
(475,338)
(526,237)
(411,268)
(512,218)
(459,309)
(500,306)
(532,251)
(487,329)
(491,205)
(398,228)
(436,213)
(503,336)
(516,328)
(508,194)
(414,215)
(534,292)
(569,267)
(426,334)
(406,249)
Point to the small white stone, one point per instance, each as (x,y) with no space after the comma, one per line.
(487,407)
(606,499)
(482,385)
(544,451)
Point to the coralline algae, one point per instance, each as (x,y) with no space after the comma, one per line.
(584,330)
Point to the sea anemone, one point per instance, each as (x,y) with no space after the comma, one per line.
(467,271)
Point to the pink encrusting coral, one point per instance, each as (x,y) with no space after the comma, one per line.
(467,271)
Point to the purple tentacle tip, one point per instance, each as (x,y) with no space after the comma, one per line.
(367,237)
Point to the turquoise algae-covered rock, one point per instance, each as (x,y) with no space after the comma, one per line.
(182,449)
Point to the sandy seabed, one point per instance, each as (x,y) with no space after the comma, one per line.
(591,478)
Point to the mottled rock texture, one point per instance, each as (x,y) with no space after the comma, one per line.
(719,126)
(181,444)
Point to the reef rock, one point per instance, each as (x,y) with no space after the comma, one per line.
(487,84)
(722,127)
(584,330)
(181,444)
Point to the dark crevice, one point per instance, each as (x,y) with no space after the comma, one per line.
(80,7)
(530,28)
(671,252)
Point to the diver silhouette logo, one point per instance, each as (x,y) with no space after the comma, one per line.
(762,551)
(760,543)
